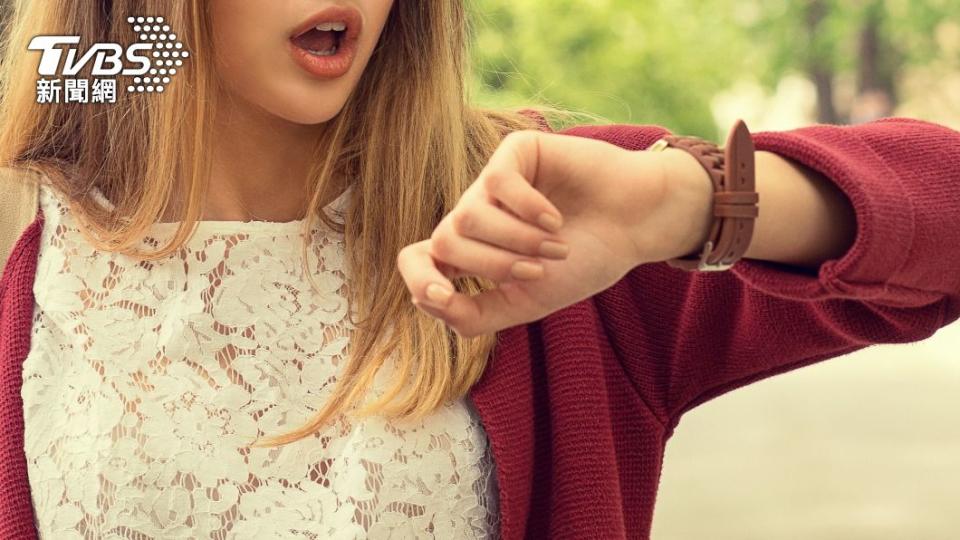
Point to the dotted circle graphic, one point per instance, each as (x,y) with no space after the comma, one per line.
(167,52)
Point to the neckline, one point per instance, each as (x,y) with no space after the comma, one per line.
(236,226)
(232,227)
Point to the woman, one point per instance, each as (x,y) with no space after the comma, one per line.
(160,381)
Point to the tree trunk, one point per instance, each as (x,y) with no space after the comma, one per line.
(819,66)
(876,71)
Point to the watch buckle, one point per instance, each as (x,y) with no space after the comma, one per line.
(704,266)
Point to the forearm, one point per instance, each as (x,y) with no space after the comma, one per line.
(804,218)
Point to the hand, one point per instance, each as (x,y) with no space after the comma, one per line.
(608,210)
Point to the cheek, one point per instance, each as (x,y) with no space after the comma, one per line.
(240,49)
(240,65)
(379,11)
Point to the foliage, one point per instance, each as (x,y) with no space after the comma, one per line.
(661,61)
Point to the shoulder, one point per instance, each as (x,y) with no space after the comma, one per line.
(18,207)
(628,136)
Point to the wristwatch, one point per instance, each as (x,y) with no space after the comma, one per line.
(734,209)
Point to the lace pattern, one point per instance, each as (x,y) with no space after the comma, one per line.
(145,381)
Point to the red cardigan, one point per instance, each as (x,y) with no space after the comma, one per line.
(579,405)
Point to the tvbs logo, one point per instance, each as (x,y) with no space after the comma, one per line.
(108,58)
(151,61)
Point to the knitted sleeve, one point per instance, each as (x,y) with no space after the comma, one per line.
(16,315)
(686,337)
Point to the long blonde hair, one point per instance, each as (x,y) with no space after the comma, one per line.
(146,148)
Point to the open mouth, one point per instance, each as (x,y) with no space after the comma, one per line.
(325,39)
(326,44)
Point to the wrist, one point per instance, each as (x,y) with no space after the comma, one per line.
(691,190)
(732,209)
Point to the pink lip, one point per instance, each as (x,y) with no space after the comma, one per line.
(337,65)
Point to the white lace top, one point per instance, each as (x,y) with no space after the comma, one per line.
(145,382)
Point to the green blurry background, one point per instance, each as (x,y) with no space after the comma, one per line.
(692,65)
(866,446)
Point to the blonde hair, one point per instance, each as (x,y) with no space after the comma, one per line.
(146,148)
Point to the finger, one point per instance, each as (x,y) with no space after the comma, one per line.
(495,226)
(510,177)
(515,192)
(472,316)
(449,270)
(481,259)
(467,315)
(423,278)
(435,312)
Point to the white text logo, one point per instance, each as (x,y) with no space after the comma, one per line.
(152,61)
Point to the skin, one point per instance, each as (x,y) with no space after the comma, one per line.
(552,218)
(271,110)
(618,209)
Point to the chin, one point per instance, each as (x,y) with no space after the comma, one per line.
(294,101)
(307,112)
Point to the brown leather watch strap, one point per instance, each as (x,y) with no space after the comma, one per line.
(735,199)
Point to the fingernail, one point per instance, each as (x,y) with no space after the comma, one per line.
(549,222)
(439,294)
(526,270)
(554,250)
